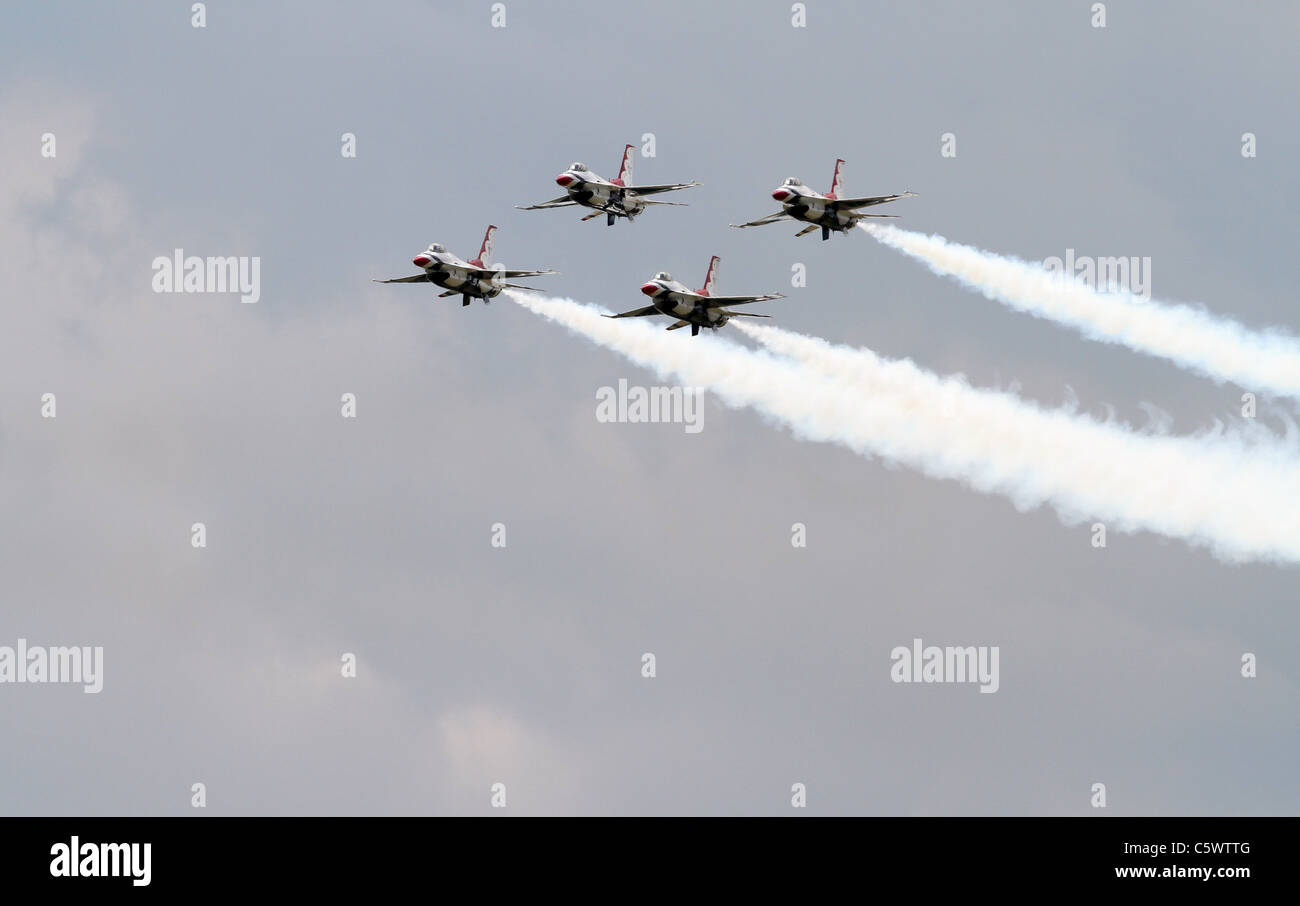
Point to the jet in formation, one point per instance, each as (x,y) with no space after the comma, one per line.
(612,197)
(475,279)
(829,212)
(696,309)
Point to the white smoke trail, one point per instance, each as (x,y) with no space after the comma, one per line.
(1266,360)
(1227,492)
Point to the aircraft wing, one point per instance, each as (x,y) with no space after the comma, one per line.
(562,202)
(418,278)
(655,190)
(770,218)
(489,272)
(718,301)
(636,313)
(868,201)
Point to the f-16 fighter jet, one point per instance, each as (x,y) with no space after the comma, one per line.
(828,212)
(611,197)
(697,309)
(477,279)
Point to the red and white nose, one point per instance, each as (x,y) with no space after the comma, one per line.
(782,194)
(565,180)
(650,289)
(421,260)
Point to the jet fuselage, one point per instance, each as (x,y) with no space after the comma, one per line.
(448,271)
(678,301)
(802,203)
(593,191)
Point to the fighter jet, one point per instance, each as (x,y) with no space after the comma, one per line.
(828,212)
(697,309)
(611,197)
(477,279)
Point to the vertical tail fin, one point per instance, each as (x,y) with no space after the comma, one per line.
(837,181)
(484,258)
(711,278)
(625,170)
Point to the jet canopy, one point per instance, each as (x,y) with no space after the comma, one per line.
(663,275)
(577,166)
(437,247)
(792,181)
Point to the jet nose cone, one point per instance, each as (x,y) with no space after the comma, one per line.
(421,260)
(782,194)
(565,180)
(649,288)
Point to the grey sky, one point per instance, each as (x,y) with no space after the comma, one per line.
(522,665)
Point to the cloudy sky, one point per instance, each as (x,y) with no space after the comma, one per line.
(522,664)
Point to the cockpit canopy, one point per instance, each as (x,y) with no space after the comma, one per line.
(577,166)
(437,247)
(792,181)
(663,275)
